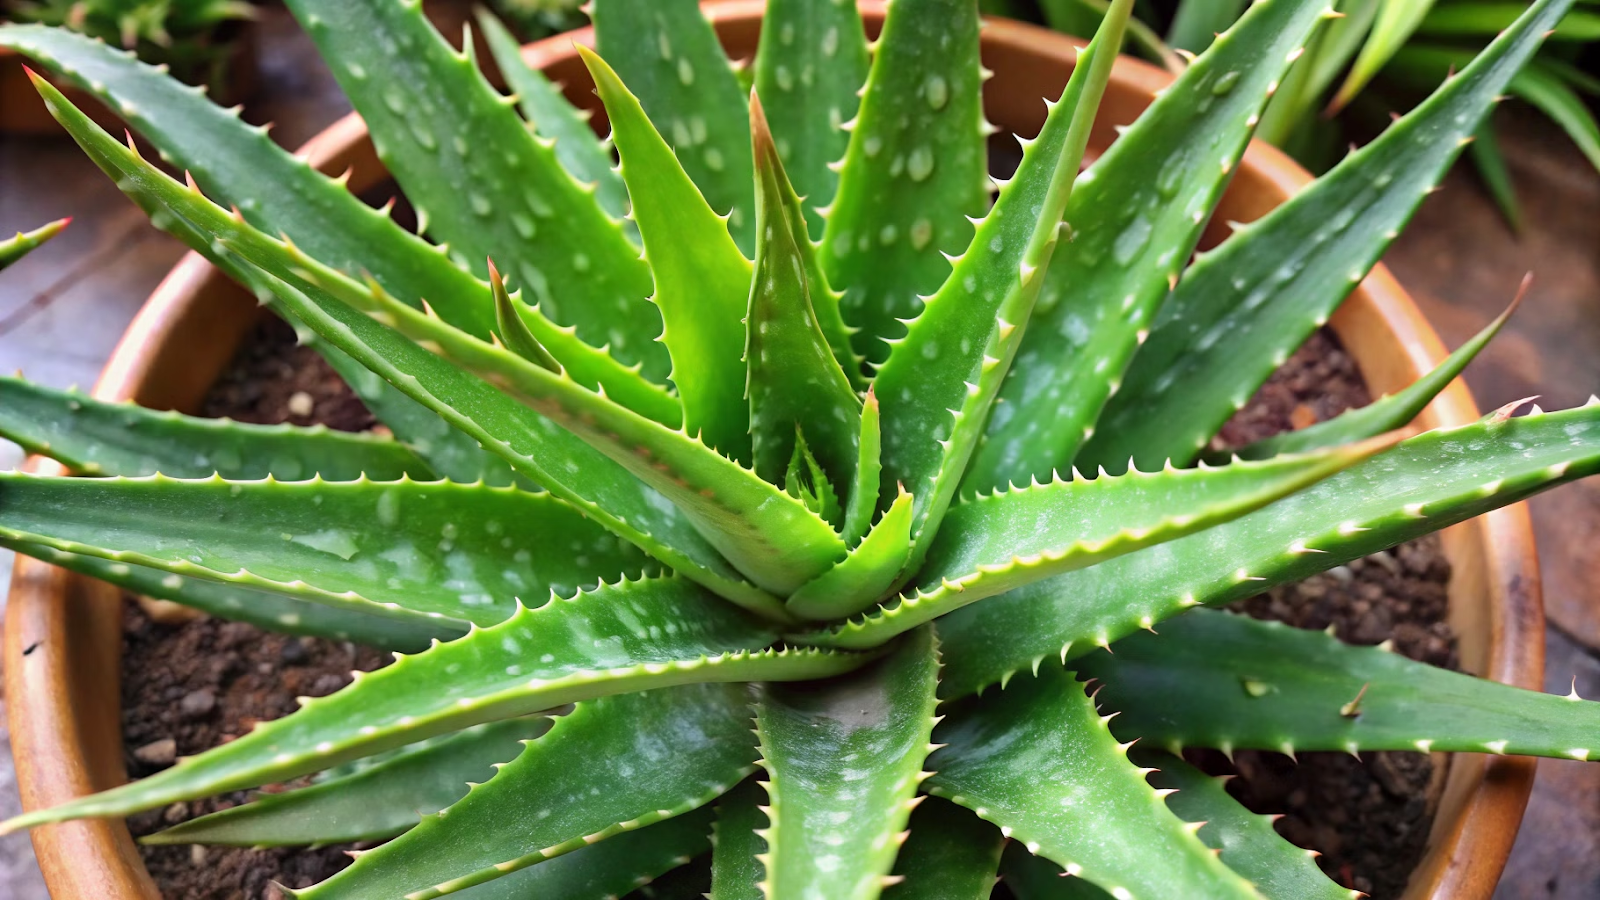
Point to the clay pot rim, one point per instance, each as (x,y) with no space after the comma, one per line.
(63,713)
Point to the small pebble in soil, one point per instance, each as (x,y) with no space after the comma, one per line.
(197,704)
(157,753)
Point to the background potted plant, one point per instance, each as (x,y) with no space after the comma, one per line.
(204,42)
(1378,57)
(1469,790)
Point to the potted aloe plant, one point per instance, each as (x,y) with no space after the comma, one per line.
(742,458)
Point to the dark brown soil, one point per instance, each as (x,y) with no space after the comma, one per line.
(271,368)
(1369,817)
(202,683)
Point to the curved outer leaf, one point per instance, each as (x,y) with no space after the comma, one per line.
(843,762)
(1396,20)
(871,570)
(950,855)
(446,136)
(377,802)
(913,169)
(465,553)
(769,535)
(1039,761)
(667,53)
(793,381)
(536,446)
(265,609)
(550,116)
(1247,841)
(15,248)
(1243,308)
(818,46)
(632,636)
(1388,412)
(94,437)
(1135,216)
(1266,685)
(605,870)
(1423,485)
(280,192)
(736,872)
(643,758)
(999,543)
(701,278)
(939,382)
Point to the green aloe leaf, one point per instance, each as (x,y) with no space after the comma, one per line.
(464,553)
(1002,542)
(282,193)
(667,53)
(1390,411)
(950,855)
(551,117)
(843,761)
(15,248)
(1422,485)
(1134,217)
(701,277)
(812,60)
(1244,307)
(794,383)
(1196,23)
(1269,686)
(447,137)
(736,870)
(379,801)
(1487,18)
(1247,841)
(1034,878)
(859,580)
(913,170)
(1038,760)
(1496,176)
(1340,41)
(939,382)
(605,870)
(1396,21)
(93,437)
(862,503)
(541,449)
(263,608)
(632,636)
(644,758)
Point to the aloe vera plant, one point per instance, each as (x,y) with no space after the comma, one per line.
(757,455)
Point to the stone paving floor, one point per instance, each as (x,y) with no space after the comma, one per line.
(63,309)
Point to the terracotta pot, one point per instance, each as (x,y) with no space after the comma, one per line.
(62,631)
(22,112)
